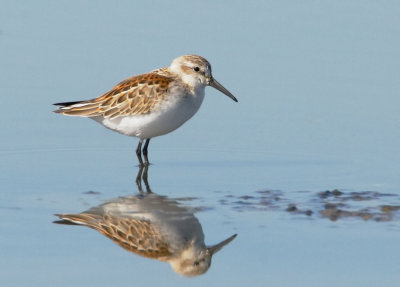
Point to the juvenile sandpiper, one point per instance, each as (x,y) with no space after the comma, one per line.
(152,104)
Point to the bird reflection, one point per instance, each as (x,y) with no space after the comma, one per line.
(152,226)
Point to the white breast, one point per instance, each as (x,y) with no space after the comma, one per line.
(169,115)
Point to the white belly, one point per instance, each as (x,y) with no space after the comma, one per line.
(168,116)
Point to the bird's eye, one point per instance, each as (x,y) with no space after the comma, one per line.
(196,263)
(196,69)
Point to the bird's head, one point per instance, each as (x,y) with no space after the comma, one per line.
(195,71)
(193,262)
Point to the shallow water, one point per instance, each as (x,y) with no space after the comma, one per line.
(305,168)
(228,199)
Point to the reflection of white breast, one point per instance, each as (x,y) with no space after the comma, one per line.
(177,224)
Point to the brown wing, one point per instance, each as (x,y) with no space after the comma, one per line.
(134,96)
(135,235)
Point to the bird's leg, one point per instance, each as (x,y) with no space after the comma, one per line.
(146,144)
(139,153)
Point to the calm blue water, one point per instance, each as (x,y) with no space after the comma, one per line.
(318,110)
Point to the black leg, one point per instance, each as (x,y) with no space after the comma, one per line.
(146,144)
(139,152)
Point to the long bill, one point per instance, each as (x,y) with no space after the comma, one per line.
(213,83)
(215,248)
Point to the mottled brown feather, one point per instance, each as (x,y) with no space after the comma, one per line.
(133,96)
(136,235)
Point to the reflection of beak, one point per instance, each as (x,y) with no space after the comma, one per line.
(215,248)
(213,83)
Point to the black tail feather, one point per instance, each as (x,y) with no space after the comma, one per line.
(65,104)
(66,222)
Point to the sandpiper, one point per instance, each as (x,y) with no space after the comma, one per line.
(152,104)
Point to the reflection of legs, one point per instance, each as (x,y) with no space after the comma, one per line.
(146,144)
(145,178)
(143,174)
(139,152)
(139,178)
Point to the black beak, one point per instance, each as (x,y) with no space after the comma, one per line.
(215,248)
(213,83)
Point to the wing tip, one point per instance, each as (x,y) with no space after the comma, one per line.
(62,105)
(82,109)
